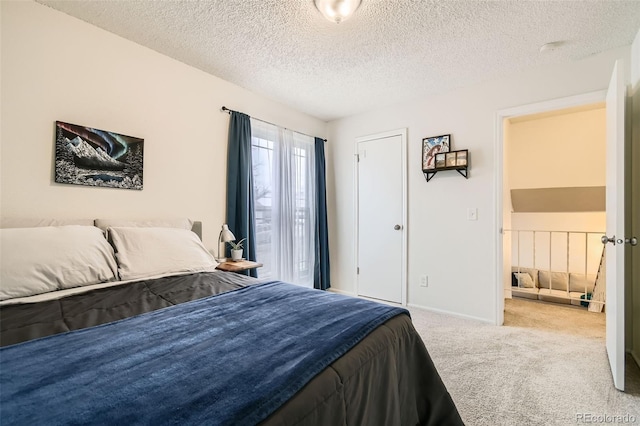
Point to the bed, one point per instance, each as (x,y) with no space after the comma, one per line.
(130,323)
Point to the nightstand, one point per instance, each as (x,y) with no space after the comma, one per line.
(243,265)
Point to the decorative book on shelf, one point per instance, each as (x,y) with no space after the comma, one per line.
(452,160)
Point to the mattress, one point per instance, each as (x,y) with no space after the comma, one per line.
(386,377)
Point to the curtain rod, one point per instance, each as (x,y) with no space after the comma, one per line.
(229,111)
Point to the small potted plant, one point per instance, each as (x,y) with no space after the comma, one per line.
(236,250)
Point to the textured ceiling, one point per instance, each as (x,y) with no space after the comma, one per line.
(390,50)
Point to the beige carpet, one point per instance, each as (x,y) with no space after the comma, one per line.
(535,370)
(567,319)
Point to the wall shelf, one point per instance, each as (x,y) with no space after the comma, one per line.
(454,160)
(463,170)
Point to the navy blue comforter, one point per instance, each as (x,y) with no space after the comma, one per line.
(233,358)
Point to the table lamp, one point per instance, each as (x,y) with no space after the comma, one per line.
(225,236)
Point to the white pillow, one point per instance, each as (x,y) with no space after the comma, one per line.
(43,259)
(145,252)
(524,280)
(20,222)
(182,223)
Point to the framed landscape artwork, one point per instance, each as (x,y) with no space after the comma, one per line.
(94,157)
(431,147)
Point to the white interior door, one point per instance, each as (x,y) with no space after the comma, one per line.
(615,226)
(380,216)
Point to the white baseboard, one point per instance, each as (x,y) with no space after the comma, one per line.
(337,290)
(412,305)
(348,293)
(386,302)
(453,314)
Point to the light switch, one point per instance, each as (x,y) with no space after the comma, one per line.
(472,213)
(424,281)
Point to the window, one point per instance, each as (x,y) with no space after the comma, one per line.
(284,194)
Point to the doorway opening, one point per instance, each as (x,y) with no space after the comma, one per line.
(551,206)
(554,216)
(617,209)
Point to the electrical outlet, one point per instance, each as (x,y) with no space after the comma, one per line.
(472,213)
(424,281)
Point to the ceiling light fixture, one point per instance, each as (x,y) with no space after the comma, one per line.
(337,10)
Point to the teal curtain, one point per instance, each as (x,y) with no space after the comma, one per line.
(321,279)
(240,201)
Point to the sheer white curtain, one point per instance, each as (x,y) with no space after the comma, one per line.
(284,188)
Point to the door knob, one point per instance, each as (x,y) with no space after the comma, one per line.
(397,227)
(631,241)
(606,240)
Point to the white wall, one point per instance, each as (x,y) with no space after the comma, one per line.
(563,150)
(581,246)
(459,256)
(55,67)
(559,221)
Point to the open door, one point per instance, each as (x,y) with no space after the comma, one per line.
(615,226)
